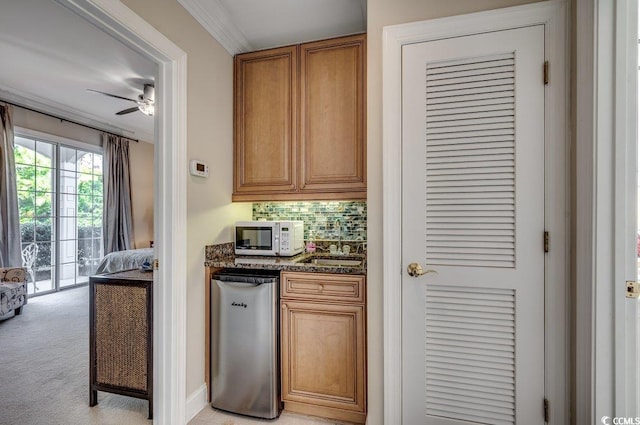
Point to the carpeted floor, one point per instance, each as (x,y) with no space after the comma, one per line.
(44,367)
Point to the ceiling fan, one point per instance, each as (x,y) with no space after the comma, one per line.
(145,101)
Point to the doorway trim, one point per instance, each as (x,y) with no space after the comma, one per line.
(553,15)
(605,152)
(170,224)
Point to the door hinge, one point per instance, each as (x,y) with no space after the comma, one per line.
(546,410)
(546,72)
(633,289)
(546,241)
(156,264)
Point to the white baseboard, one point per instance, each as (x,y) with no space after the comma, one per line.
(196,402)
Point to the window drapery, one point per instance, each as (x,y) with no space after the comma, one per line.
(117,213)
(10,255)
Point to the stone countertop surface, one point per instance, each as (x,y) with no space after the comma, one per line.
(223,256)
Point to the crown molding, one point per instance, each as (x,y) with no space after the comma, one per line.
(37,103)
(215,18)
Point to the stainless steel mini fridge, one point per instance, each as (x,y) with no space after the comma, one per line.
(245,370)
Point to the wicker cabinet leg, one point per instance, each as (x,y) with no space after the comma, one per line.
(93,398)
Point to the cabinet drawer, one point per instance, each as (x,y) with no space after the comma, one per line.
(320,286)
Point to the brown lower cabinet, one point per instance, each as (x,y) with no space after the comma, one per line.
(323,341)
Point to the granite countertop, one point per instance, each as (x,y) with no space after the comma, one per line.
(222,255)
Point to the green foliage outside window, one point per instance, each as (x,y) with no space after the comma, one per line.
(35,180)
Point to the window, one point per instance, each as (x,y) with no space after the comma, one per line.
(60,203)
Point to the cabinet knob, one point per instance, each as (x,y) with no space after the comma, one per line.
(320,288)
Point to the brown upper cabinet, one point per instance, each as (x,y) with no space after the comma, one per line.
(300,122)
(266,140)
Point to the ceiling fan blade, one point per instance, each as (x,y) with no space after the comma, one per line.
(128,111)
(113,95)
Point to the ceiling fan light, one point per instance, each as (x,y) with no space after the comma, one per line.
(147,109)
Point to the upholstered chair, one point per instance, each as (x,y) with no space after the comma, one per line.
(13,290)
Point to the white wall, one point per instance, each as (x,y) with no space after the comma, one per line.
(210,212)
(38,122)
(141,172)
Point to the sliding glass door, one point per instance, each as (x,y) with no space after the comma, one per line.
(35,178)
(60,202)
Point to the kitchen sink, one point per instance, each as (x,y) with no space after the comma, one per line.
(334,261)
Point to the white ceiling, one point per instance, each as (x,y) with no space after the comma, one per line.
(247,25)
(49,56)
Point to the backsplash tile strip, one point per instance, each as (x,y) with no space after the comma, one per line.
(319,217)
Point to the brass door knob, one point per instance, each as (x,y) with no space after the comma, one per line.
(415,270)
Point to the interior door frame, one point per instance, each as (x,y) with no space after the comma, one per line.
(605,158)
(626,218)
(170,223)
(553,15)
(626,215)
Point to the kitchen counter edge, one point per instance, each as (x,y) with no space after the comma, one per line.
(282,264)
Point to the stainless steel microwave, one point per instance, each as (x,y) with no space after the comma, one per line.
(281,238)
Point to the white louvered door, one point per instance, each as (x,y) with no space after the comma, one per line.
(473,210)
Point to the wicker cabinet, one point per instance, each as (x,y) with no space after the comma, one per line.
(323,345)
(120,333)
(300,122)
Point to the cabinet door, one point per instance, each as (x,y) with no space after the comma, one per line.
(323,355)
(332,116)
(265,135)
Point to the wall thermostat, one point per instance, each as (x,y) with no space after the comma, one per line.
(198,168)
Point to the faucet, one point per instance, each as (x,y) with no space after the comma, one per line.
(337,226)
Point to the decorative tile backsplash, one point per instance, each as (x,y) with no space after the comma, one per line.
(320,217)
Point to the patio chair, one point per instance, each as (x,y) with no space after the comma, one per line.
(29,255)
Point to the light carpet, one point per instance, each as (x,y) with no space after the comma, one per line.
(44,367)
